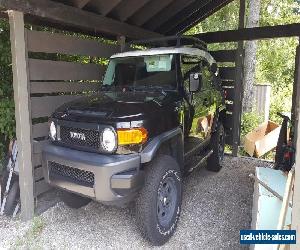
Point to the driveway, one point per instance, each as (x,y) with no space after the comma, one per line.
(215,207)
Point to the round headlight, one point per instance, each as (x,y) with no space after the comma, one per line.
(108,140)
(52,132)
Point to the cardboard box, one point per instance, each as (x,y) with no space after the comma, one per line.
(263,139)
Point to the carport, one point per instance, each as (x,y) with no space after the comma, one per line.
(42,85)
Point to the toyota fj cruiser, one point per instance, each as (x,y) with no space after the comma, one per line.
(158,116)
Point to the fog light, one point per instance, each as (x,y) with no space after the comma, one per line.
(132,136)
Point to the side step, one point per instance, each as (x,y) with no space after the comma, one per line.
(204,157)
(193,151)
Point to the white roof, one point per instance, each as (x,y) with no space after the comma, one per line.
(167,50)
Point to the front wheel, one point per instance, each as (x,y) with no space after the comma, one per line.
(159,203)
(217,145)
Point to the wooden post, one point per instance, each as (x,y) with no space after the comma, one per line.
(286,199)
(122,43)
(238,88)
(22,112)
(295,117)
(296,95)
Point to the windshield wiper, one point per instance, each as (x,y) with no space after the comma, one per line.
(150,88)
(106,87)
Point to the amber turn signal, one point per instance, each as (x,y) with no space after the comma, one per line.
(132,136)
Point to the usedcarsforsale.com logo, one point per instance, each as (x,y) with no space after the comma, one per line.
(268,236)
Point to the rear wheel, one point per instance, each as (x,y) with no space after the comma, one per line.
(12,198)
(74,200)
(159,203)
(217,145)
(13,195)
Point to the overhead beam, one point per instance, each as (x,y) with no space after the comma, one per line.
(170,11)
(71,17)
(199,15)
(149,10)
(246,34)
(181,16)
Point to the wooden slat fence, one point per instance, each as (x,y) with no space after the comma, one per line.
(55,82)
(227,74)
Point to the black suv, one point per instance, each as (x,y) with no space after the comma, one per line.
(157,111)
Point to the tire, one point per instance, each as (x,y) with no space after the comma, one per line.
(13,193)
(158,205)
(217,145)
(74,200)
(4,176)
(12,198)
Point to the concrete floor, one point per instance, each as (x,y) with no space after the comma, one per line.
(215,207)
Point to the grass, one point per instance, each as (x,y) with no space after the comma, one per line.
(29,239)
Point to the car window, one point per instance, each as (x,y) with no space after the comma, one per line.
(189,64)
(207,76)
(156,70)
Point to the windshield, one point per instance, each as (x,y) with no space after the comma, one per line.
(142,71)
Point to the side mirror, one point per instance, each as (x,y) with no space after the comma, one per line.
(195,82)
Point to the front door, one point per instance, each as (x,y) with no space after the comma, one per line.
(199,117)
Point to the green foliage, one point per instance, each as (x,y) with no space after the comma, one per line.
(30,240)
(7,120)
(250,121)
(224,19)
(275,57)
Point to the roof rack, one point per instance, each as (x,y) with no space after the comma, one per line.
(176,41)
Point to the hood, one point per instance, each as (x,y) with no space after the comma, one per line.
(120,105)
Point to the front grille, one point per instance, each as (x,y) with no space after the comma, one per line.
(91,137)
(82,177)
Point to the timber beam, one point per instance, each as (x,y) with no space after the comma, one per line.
(247,34)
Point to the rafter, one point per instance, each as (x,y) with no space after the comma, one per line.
(199,15)
(74,18)
(127,8)
(182,15)
(103,7)
(80,3)
(167,13)
(149,10)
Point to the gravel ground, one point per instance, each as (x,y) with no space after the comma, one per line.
(215,207)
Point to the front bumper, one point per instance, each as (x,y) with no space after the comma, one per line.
(110,179)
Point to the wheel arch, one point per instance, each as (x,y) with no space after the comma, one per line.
(168,143)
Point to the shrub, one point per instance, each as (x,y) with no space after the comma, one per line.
(7,117)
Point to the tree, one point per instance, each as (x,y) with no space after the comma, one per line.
(7,115)
(250,57)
